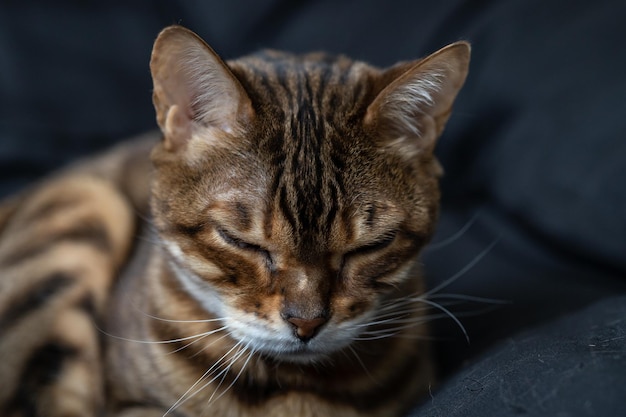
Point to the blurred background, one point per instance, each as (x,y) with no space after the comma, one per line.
(534,196)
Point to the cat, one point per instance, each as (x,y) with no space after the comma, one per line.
(261,260)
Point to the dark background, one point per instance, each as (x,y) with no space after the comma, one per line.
(535,157)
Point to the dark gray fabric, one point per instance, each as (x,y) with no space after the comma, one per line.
(535,153)
(575,366)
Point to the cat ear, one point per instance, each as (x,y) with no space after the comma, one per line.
(411,111)
(193,87)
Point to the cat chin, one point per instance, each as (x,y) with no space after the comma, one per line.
(297,352)
(301,356)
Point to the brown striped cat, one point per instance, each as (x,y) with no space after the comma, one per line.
(276,271)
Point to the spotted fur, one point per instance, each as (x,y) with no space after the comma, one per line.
(275,272)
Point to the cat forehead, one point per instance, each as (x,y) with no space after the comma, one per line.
(281,78)
(243,212)
(274,60)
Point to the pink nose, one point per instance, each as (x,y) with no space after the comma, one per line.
(306,328)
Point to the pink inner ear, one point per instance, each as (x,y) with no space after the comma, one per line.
(177,127)
(193,85)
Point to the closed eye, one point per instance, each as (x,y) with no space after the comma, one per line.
(235,241)
(241,244)
(385,240)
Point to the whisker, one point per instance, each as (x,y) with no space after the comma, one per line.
(208,345)
(150,234)
(187,345)
(395,331)
(152,240)
(472,298)
(179,321)
(151,316)
(463,270)
(186,396)
(394,305)
(407,310)
(401,324)
(223,373)
(451,239)
(449,313)
(406,305)
(211,344)
(392,319)
(250,354)
(358,358)
(146,219)
(160,342)
(404,318)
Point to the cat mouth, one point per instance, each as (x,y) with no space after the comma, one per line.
(301,354)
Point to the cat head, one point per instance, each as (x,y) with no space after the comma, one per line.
(294,193)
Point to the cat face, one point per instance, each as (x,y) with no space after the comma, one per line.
(293,193)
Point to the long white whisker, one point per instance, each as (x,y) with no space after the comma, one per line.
(358,358)
(396,333)
(399,325)
(393,306)
(212,320)
(462,297)
(160,342)
(208,345)
(186,397)
(463,270)
(187,345)
(182,321)
(449,313)
(393,319)
(250,354)
(223,373)
(445,242)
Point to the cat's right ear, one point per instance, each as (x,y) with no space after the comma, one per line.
(194,88)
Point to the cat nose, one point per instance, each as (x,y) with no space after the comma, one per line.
(305,329)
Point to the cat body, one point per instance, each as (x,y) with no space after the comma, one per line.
(277,273)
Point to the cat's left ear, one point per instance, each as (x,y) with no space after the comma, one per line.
(410,113)
(194,88)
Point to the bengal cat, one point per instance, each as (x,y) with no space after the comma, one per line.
(261,261)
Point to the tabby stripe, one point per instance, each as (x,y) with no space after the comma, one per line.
(38,296)
(261,80)
(88,232)
(356,113)
(334,207)
(283,201)
(270,91)
(339,165)
(281,77)
(41,370)
(370,210)
(244,216)
(344,75)
(189,230)
(324,80)
(59,204)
